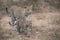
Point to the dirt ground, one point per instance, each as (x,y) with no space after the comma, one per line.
(45,26)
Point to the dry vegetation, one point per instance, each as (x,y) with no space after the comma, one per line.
(45,20)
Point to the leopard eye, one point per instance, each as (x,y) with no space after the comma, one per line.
(25,7)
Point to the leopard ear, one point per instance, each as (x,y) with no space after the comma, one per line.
(30,7)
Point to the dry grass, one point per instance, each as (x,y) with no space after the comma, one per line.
(44,28)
